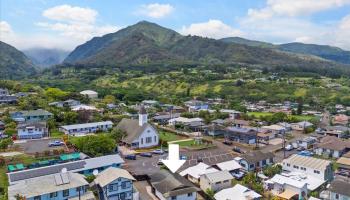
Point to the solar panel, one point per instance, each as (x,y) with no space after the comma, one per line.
(58,179)
(65,178)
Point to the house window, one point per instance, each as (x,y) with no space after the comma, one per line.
(122,196)
(316,172)
(155,138)
(217,183)
(148,140)
(190,194)
(37,198)
(124,185)
(288,165)
(336,196)
(296,167)
(141,140)
(53,194)
(173,198)
(113,187)
(65,193)
(226,181)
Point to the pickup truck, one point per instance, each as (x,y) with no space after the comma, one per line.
(56,143)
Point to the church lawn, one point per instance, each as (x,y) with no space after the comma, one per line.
(168,137)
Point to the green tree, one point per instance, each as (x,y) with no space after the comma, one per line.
(210,193)
(55,93)
(95,145)
(4,143)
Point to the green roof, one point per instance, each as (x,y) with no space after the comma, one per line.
(11,168)
(44,162)
(71,156)
(20,166)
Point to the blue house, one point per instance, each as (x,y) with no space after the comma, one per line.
(31,115)
(114,183)
(60,186)
(243,135)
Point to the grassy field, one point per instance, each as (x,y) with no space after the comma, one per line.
(192,144)
(168,137)
(298,117)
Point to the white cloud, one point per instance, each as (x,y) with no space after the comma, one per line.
(5,28)
(156,10)
(294,8)
(342,33)
(213,29)
(67,13)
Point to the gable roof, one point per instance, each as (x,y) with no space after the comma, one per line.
(309,162)
(229,165)
(340,186)
(197,170)
(218,176)
(238,192)
(169,184)
(333,143)
(111,174)
(132,129)
(256,156)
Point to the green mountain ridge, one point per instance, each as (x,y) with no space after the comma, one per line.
(327,52)
(13,63)
(147,43)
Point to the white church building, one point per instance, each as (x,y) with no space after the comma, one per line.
(140,134)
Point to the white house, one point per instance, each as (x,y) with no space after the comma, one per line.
(193,173)
(115,183)
(90,94)
(238,192)
(184,120)
(83,129)
(140,134)
(83,107)
(32,130)
(286,187)
(172,186)
(318,168)
(301,126)
(216,181)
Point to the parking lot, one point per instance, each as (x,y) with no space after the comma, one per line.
(33,146)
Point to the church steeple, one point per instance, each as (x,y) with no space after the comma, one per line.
(142,116)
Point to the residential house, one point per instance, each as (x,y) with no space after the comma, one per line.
(333,147)
(83,129)
(164,118)
(243,135)
(344,162)
(114,183)
(238,192)
(4,92)
(31,115)
(233,114)
(215,130)
(60,186)
(286,126)
(341,120)
(256,159)
(193,173)
(195,105)
(32,130)
(67,103)
(215,181)
(139,133)
(318,168)
(90,94)
(83,107)
(231,166)
(337,131)
(265,135)
(301,126)
(85,167)
(172,186)
(287,187)
(239,123)
(275,129)
(150,103)
(184,120)
(306,142)
(8,99)
(339,189)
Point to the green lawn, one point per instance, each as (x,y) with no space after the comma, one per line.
(56,134)
(298,117)
(168,137)
(260,114)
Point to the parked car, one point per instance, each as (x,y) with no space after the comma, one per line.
(306,153)
(238,175)
(301,148)
(146,154)
(158,151)
(183,157)
(130,157)
(238,150)
(227,142)
(289,147)
(56,143)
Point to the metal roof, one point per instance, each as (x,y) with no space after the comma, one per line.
(87,125)
(309,162)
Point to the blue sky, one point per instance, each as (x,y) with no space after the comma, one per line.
(66,24)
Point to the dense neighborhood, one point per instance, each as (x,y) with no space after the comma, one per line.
(85,146)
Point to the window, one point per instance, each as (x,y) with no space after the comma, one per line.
(124,185)
(122,196)
(336,196)
(316,172)
(65,193)
(53,194)
(296,167)
(155,138)
(173,198)
(226,181)
(288,165)
(217,183)
(37,198)
(148,140)
(112,187)
(190,194)
(78,189)
(141,140)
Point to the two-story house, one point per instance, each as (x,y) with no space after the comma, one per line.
(114,183)
(256,159)
(332,147)
(318,168)
(32,130)
(60,186)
